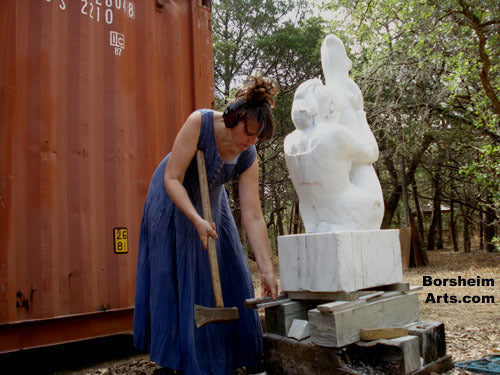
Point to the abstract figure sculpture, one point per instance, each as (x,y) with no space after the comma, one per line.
(331,152)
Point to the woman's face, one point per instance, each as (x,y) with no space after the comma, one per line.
(245,133)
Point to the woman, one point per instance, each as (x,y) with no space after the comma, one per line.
(173,270)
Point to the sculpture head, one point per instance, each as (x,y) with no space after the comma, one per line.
(304,107)
(313,103)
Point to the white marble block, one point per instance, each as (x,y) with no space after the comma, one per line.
(339,261)
(299,329)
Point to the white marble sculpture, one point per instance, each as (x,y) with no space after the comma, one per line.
(331,152)
(329,158)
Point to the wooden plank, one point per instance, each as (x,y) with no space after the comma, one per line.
(263,302)
(329,296)
(385,295)
(266,305)
(401,287)
(382,333)
(328,308)
(342,328)
(405,242)
(369,295)
(439,366)
(415,288)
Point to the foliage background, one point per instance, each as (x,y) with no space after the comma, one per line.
(429,72)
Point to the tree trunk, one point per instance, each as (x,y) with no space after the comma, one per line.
(466,232)
(296,219)
(279,223)
(453,230)
(391,206)
(439,215)
(418,253)
(467,247)
(489,231)
(431,234)
(420,217)
(404,186)
(279,230)
(391,203)
(481,230)
(272,223)
(436,221)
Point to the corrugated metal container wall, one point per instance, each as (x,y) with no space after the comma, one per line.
(92,94)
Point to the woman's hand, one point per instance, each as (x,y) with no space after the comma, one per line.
(204,230)
(268,285)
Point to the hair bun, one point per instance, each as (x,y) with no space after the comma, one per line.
(258,89)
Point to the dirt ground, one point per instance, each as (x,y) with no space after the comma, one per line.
(472,330)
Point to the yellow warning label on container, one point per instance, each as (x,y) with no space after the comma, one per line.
(120,236)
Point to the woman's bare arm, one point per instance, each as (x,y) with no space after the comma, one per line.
(183,152)
(256,228)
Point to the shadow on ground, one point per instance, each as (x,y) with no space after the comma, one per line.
(68,358)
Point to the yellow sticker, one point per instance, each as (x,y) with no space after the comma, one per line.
(120,236)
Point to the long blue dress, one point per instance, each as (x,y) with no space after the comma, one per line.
(173,273)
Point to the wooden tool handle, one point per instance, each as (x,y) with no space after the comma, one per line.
(207,215)
(265,302)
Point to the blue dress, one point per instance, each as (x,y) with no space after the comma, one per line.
(173,273)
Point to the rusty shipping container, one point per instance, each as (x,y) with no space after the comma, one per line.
(92,94)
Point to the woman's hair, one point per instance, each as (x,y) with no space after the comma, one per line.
(254,100)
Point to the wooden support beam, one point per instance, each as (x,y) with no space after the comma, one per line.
(382,333)
(369,295)
(415,288)
(329,296)
(439,366)
(265,302)
(328,308)
(401,287)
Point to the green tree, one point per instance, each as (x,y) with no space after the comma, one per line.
(275,39)
(429,73)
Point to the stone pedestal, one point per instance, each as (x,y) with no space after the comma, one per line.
(339,261)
